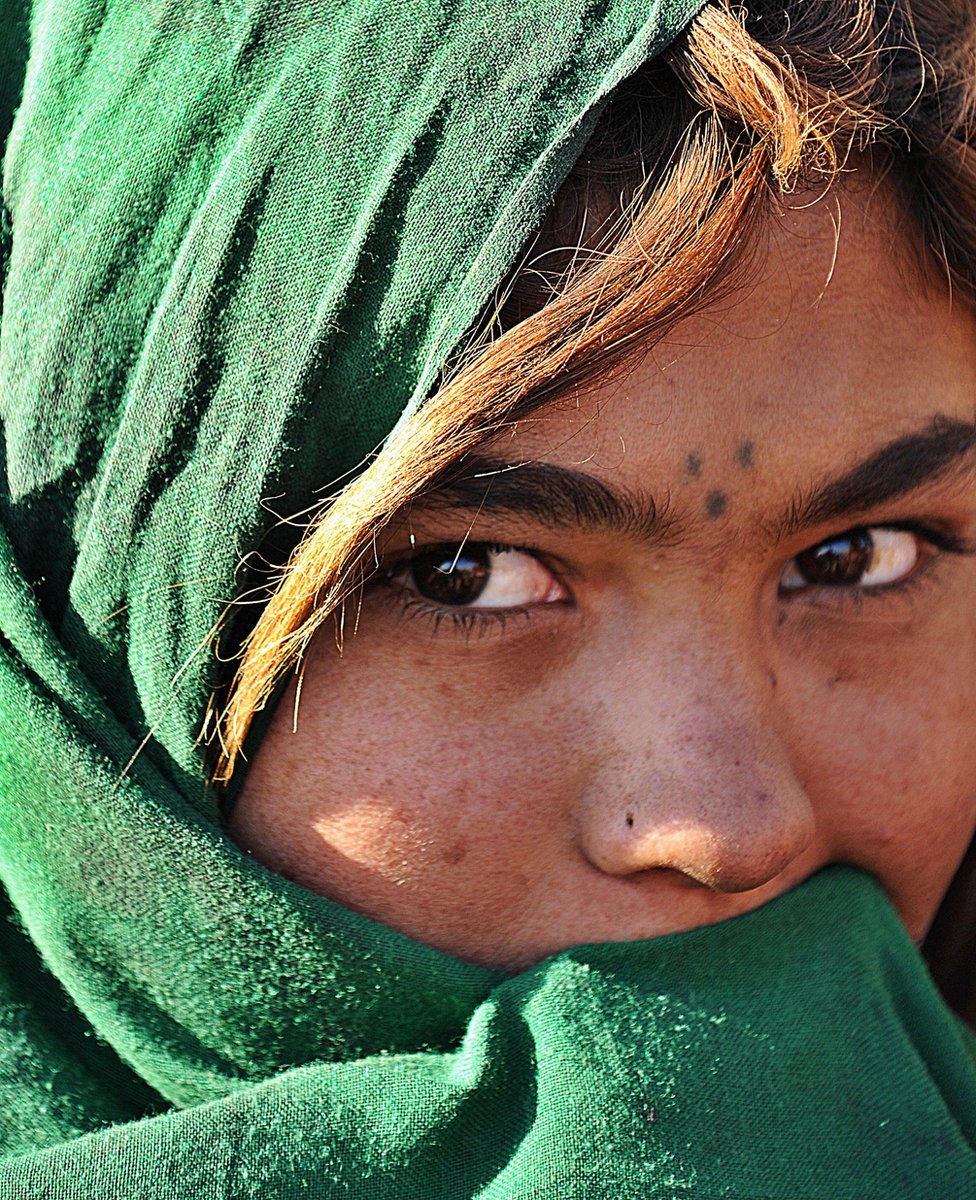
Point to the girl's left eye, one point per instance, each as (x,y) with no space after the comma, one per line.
(868,557)
(477,575)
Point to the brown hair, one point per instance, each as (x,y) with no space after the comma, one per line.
(694,151)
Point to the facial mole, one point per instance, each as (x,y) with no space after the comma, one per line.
(744,455)
(772,679)
(716,504)
(693,465)
(630,818)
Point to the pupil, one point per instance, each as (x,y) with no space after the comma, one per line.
(838,561)
(447,577)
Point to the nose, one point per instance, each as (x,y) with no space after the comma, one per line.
(698,782)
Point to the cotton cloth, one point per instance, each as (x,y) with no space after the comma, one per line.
(239,241)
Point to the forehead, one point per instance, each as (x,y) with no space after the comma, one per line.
(836,341)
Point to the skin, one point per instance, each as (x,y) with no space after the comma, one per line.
(667,736)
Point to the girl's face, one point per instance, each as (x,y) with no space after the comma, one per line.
(715,630)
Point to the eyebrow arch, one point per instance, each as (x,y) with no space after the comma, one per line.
(896,469)
(557,497)
(560,497)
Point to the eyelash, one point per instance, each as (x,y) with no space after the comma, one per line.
(480,620)
(922,576)
(463,620)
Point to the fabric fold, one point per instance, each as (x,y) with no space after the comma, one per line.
(240,240)
(245,240)
(671,1067)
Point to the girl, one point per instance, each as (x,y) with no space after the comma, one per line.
(631,743)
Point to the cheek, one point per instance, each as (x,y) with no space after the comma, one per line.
(432,796)
(886,749)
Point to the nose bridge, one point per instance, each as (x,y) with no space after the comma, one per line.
(699,781)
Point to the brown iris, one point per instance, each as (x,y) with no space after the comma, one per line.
(839,561)
(447,575)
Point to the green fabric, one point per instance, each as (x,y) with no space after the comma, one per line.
(796,1052)
(245,237)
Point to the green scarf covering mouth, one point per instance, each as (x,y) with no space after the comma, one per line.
(240,239)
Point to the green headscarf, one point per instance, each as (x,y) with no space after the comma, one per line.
(240,239)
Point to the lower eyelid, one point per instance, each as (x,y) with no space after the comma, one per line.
(837,598)
(462,620)
(932,543)
(550,577)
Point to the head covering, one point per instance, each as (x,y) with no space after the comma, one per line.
(240,239)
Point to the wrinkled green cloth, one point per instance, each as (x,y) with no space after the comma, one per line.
(240,239)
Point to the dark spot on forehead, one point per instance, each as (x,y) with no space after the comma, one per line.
(744,454)
(693,465)
(716,504)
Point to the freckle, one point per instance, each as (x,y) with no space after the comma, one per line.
(744,455)
(716,504)
(693,465)
(630,818)
(456,853)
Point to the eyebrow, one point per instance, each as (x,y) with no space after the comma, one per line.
(895,470)
(560,497)
(557,497)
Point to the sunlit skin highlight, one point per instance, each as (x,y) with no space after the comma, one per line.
(669,736)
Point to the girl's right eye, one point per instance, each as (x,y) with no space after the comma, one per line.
(477,575)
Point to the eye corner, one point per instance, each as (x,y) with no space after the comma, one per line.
(470,581)
(863,557)
(870,560)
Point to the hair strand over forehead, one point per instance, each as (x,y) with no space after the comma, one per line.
(746,106)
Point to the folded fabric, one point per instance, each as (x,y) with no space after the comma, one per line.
(241,239)
(799,1051)
(247,234)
